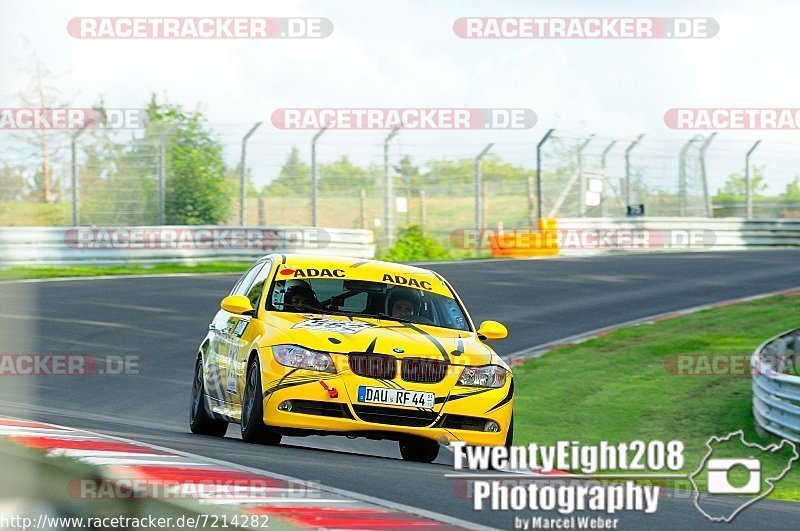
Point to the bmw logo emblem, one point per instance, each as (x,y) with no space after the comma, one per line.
(398,350)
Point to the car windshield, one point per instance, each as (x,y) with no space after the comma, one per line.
(367,299)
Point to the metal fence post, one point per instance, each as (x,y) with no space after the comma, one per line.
(388,198)
(74,171)
(162,172)
(161,177)
(531,221)
(315,176)
(243,174)
(581,178)
(608,148)
(422,211)
(704,175)
(682,175)
(748,191)
(628,168)
(363,215)
(479,187)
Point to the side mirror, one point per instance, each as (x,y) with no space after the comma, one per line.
(492,330)
(238,304)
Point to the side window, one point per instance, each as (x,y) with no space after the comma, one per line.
(259,282)
(243,286)
(452,314)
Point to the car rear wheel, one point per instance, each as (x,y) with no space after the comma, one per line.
(419,450)
(200,421)
(253,428)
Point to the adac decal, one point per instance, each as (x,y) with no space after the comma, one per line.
(407,281)
(318,273)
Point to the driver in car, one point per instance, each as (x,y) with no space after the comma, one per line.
(402,304)
(301,297)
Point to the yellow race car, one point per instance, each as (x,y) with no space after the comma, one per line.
(315,345)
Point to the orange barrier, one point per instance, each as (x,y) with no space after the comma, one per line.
(515,244)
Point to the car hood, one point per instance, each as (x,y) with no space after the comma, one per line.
(339,334)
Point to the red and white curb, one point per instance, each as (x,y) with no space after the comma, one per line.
(520,356)
(133,469)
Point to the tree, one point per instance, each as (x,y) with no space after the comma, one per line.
(294,177)
(195,170)
(41,93)
(14,186)
(792,190)
(412,245)
(735,185)
(408,172)
(343,175)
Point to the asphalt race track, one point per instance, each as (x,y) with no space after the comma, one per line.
(162,320)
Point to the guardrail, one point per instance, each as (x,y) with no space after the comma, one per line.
(700,233)
(776,395)
(186,244)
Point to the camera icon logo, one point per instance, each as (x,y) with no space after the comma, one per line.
(741,481)
(719,476)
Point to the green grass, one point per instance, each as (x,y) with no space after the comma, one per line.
(617,388)
(25,272)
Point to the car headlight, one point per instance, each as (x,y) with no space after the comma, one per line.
(487,376)
(302,358)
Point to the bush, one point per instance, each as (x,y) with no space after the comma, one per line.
(413,245)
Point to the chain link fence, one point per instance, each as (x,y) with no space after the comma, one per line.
(124,178)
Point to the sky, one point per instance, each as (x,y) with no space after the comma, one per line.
(405,54)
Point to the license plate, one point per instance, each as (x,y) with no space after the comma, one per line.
(395,397)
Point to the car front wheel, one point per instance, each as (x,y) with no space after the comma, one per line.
(253,428)
(419,450)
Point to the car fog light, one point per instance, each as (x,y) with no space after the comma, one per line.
(491,426)
(285,406)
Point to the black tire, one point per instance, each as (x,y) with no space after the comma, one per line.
(253,428)
(200,422)
(419,450)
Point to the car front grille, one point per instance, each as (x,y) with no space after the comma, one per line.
(395,416)
(373,365)
(423,370)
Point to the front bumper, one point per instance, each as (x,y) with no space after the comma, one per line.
(314,410)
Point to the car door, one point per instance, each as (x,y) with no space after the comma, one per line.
(224,344)
(246,333)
